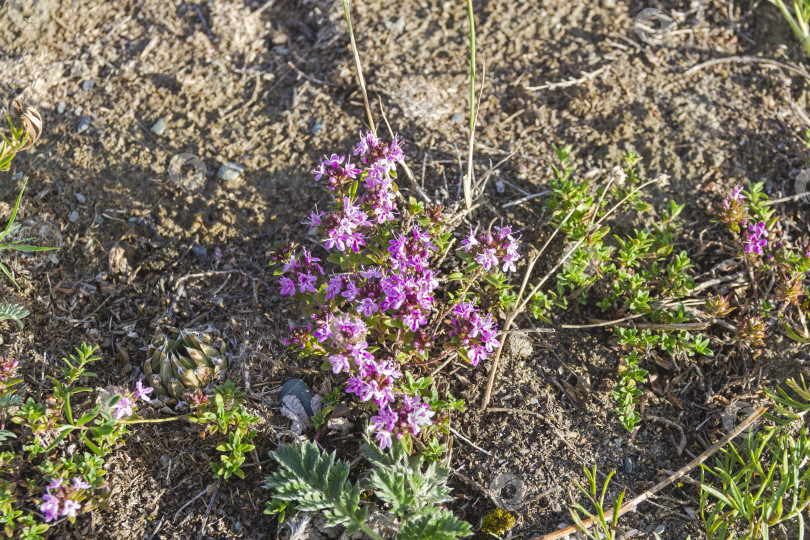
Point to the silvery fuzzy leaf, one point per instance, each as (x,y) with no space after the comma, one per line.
(299,526)
(341,425)
(293,409)
(316,403)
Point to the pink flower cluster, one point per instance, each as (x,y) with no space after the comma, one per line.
(496,249)
(337,174)
(476,334)
(8,368)
(60,499)
(734,213)
(126,405)
(756,238)
(412,414)
(366,317)
(304,271)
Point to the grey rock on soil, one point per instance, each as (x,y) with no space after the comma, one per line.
(160,126)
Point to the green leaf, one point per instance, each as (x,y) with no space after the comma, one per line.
(13,312)
(317,482)
(439,525)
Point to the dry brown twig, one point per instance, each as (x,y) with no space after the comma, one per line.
(358,66)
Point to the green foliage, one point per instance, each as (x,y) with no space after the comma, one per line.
(13,312)
(20,244)
(316,481)
(798,20)
(627,394)
(59,441)
(763,480)
(19,140)
(227,416)
(604,529)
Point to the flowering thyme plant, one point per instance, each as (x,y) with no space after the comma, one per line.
(375,306)
(770,256)
(57,471)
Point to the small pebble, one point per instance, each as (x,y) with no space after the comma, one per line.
(60,107)
(200,252)
(237,526)
(396,27)
(80,198)
(87,85)
(99,220)
(281,50)
(74,216)
(659,530)
(230,171)
(317,128)
(17,176)
(628,465)
(159,127)
(84,124)
(458,118)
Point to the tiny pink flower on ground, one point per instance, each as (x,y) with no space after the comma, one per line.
(142,392)
(122,408)
(78,483)
(8,367)
(70,508)
(756,238)
(50,507)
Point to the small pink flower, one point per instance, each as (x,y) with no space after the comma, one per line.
(123,408)
(142,392)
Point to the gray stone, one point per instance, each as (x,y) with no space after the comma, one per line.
(317,128)
(159,127)
(84,124)
(659,530)
(628,464)
(87,85)
(299,389)
(60,107)
(230,171)
(80,198)
(458,118)
(74,216)
(200,252)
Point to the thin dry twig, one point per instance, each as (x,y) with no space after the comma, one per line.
(747,60)
(200,494)
(586,76)
(468,441)
(526,198)
(358,66)
(208,510)
(683,471)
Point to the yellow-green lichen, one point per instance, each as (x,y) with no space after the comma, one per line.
(498,523)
